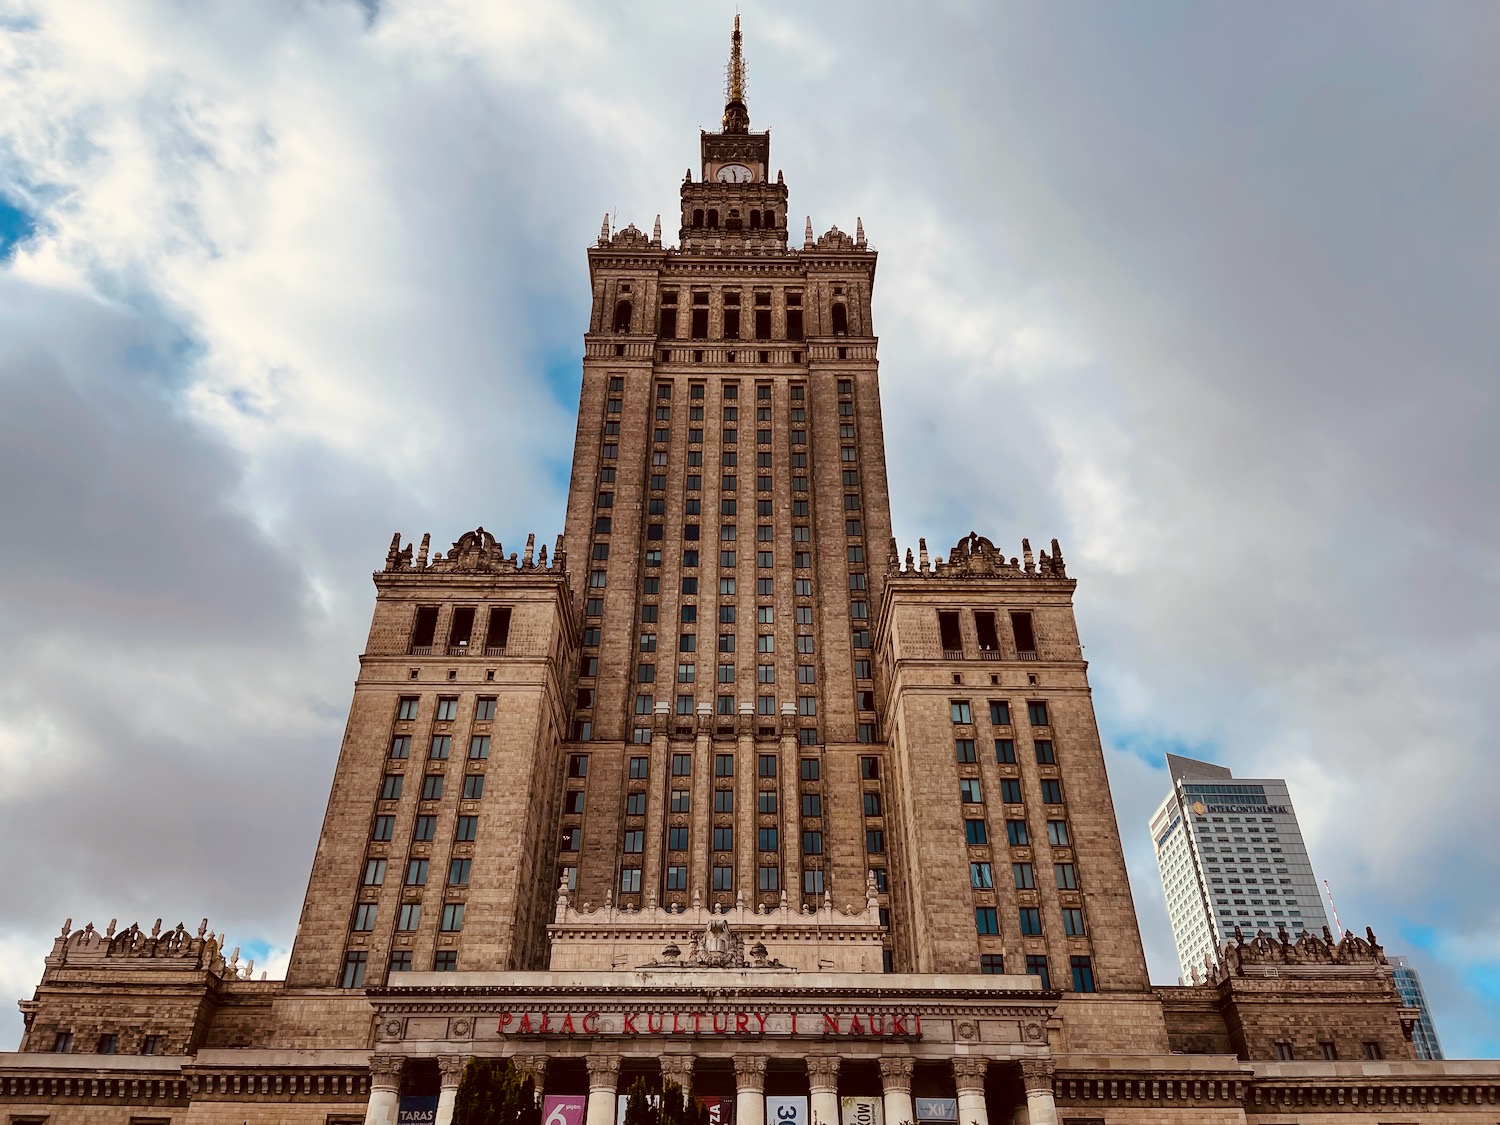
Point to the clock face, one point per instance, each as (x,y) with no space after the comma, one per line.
(734,174)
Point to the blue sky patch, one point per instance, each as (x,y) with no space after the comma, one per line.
(16,226)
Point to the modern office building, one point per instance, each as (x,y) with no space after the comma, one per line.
(727,792)
(1231,858)
(1409,984)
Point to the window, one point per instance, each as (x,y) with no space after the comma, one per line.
(1073,921)
(447,709)
(466,828)
(812,769)
(479,746)
(384,828)
(723,800)
(573,802)
(1036,712)
(407,708)
(1083,973)
(968,791)
(1015,833)
(635,842)
(974,832)
(458,872)
(1020,627)
(812,843)
(723,765)
(1005,750)
(1010,790)
(959,710)
(401,746)
(1024,875)
(630,880)
(1036,966)
(432,787)
(1066,875)
(981,876)
(353,975)
(1051,791)
(677,839)
(964,748)
(416,873)
(985,920)
(767,765)
(676,878)
(1284,1052)
(401,961)
(723,878)
(869,769)
(151,1045)
(364,917)
(1044,754)
(768,878)
(375,873)
(572,840)
(445,961)
(1030,918)
(992,963)
(635,804)
(948,631)
(1372,1050)
(682,765)
(640,767)
(875,841)
(1329,1050)
(1057,833)
(425,828)
(812,882)
(768,840)
(441,744)
(409,917)
(723,838)
(390,787)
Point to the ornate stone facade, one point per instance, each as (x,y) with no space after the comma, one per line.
(726,792)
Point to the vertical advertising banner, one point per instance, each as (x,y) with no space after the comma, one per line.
(786,1111)
(563,1109)
(720,1110)
(416,1110)
(864,1111)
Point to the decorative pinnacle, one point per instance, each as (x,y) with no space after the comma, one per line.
(736,116)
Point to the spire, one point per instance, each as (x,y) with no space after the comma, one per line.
(807,236)
(736,116)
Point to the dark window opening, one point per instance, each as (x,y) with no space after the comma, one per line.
(499,630)
(762,324)
(731,324)
(462,629)
(669,323)
(623,311)
(698,216)
(794,324)
(713,219)
(1020,626)
(984,625)
(426,627)
(700,326)
(949,631)
(840,320)
(754,220)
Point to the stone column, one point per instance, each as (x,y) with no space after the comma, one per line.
(533,1067)
(750,1090)
(1037,1076)
(968,1077)
(895,1077)
(791,822)
(385,1089)
(678,1069)
(450,1072)
(604,1075)
(823,1084)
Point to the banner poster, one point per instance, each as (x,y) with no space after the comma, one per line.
(414,1110)
(621,1100)
(863,1111)
(563,1109)
(720,1110)
(786,1111)
(937,1109)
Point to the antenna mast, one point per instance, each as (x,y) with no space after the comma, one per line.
(1337,928)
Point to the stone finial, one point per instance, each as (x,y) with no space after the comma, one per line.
(422,551)
(872,893)
(155,929)
(234,960)
(394,553)
(67,927)
(859,232)
(1026,554)
(807,236)
(687,177)
(656,234)
(893,558)
(1057,560)
(203,927)
(541,558)
(697,898)
(780,179)
(109,930)
(528,560)
(910,563)
(604,230)
(926,563)
(249,968)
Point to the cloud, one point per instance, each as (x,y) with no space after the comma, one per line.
(1206,293)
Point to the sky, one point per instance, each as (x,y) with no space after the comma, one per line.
(1208,292)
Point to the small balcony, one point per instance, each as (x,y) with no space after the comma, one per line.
(953,654)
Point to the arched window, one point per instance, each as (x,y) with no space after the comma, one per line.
(713,219)
(622,316)
(840,319)
(769,218)
(755,220)
(697,216)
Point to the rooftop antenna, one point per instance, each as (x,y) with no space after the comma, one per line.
(1338,929)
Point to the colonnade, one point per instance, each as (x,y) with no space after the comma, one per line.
(969,1073)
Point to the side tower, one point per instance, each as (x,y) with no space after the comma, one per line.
(436,850)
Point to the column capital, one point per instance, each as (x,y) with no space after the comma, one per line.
(822,1072)
(604,1070)
(451,1069)
(385,1071)
(969,1072)
(1036,1074)
(895,1072)
(749,1072)
(533,1067)
(678,1069)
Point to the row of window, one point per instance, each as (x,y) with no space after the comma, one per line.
(447,708)
(976,832)
(107,1044)
(961,711)
(356,961)
(1022,632)
(461,631)
(1028,922)
(1081,968)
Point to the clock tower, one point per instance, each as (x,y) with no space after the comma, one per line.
(735,205)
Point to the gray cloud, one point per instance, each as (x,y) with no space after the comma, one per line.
(1207,293)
